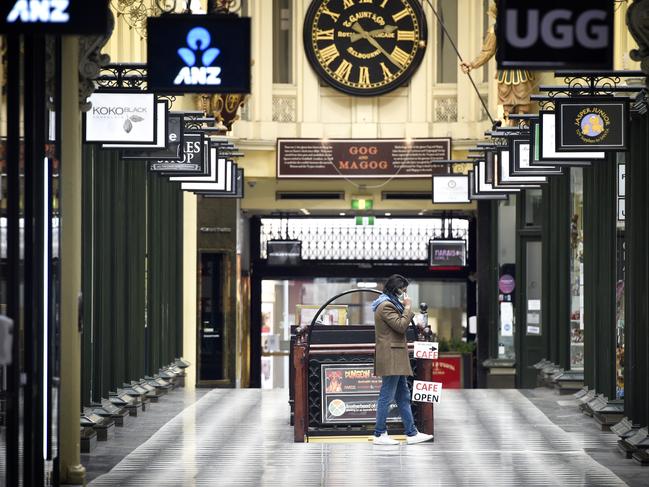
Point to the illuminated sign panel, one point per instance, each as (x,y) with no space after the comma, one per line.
(54,16)
(199,54)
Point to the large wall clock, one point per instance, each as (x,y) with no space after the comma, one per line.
(365,47)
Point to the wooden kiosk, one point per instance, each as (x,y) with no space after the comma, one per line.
(333,391)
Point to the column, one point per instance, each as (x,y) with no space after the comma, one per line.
(70,466)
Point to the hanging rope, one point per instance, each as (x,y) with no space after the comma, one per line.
(494,123)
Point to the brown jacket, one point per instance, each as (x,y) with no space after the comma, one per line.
(391,353)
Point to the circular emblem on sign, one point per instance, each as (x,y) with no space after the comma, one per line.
(337,407)
(506,284)
(593,125)
(507,327)
(452,184)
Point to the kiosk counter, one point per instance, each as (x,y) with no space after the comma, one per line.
(333,389)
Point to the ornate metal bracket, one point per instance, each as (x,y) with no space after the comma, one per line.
(91,62)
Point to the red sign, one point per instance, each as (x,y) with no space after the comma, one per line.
(448,371)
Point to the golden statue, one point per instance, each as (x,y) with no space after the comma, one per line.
(514,85)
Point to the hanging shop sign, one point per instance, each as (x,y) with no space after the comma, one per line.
(284,252)
(198,54)
(56,17)
(362,158)
(215,174)
(162,130)
(474,195)
(502,176)
(446,253)
(451,189)
(592,124)
(238,191)
(520,160)
(548,144)
(423,391)
(230,190)
(349,394)
(225,168)
(121,118)
(194,157)
(174,149)
(555,34)
(487,172)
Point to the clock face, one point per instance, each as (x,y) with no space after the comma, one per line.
(365,47)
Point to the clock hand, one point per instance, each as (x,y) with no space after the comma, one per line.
(357,27)
(388,29)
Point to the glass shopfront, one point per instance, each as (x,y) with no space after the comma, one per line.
(287,302)
(340,254)
(577,269)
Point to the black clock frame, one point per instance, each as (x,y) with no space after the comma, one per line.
(369,92)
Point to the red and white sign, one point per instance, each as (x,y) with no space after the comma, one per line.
(423,391)
(426,350)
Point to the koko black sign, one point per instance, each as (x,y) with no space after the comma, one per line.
(555,34)
(592,124)
(54,16)
(199,54)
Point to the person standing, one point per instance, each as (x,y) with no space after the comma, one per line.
(392,316)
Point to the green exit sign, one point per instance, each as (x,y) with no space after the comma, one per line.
(362,204)
(364,220)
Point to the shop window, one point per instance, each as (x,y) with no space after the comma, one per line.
(447,61)
(620,278)
(533,272)
(285,303)
(282,41)
(577,269)
(506,277)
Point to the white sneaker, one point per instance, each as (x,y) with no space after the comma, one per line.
(384,439)
(418,438)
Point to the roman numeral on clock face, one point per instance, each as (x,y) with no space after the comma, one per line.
(348,3)
(344,69)
(386,71)
(364,76)
(399,15)
(406,35)
(331,14)
(400,56)
(325,35)
(329,53)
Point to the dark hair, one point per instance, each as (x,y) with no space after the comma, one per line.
(394,282)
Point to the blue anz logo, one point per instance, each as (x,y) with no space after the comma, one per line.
(198,47)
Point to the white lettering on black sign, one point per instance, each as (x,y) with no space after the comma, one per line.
(54,11)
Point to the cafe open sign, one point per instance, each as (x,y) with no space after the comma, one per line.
(426,350)
(423,391)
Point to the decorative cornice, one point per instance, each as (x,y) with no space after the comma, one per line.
(637,20)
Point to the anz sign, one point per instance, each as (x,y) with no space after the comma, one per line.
(198,54)
(198,49)
(39,11)
(83,17)
(555,34)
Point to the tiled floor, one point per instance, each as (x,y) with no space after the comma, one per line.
(483,437)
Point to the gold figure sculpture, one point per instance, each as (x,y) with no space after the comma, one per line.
(514,85)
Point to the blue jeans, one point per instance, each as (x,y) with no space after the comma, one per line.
(394,388)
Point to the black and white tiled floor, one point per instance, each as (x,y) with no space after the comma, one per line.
(483,437)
